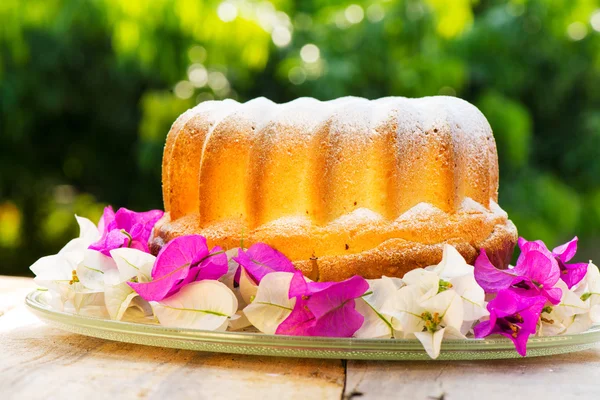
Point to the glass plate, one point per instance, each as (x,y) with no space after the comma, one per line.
(301,346)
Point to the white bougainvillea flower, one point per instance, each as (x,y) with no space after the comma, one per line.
(454,272)
(271,304)
(248,287)
(60,267)
(95,270)
(579,308)
(419,311)
(376,324)
(206,305)
(238,321)
(58,272)
(229,279)
(131,265)
(561,318)
(589,291)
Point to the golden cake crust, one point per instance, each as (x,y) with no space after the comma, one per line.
(345,187)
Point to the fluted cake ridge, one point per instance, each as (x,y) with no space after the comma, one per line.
(333,184)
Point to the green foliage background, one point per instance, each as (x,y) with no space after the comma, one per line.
(88,90)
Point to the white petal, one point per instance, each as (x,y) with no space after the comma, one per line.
(426,281)
(595,314)
(92,269)
(54,268)
(453,333)
(133,263)
(450,307)
(238,321)
(432,342)
(570,305)
(452,265)
(405,309)
(117,299)
(88,231)
(205,305)
(248,288)
(271,305)
(580,323)
(473,297)
(382,289)
(375,325)
(228,278)
(88,234)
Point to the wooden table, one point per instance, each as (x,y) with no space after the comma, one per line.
(39,362)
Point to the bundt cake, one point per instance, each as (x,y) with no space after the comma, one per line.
(342,187)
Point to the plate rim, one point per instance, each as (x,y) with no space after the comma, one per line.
(311,344)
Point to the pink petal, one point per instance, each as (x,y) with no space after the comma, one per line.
(343,321)
(539,267)
(490,278)
(159,287)
(299,322)
(213,266)
(261,259)
(109,241)
(178,252)
(107,218)
(566,252)
(139,225)
(485,328)
(172,267)
(298,285)
(336,295)
(526,246)
(573,273)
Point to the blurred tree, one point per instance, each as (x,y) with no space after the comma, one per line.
(88,91)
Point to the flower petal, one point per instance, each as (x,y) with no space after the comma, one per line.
(92,270)
(133,263)
(271,306)
(432,342)
(342,321)
(299,322)
(375,324)
(565,252)
(248,288)
(117,299)
(261,259)
(200,305)
(452,265)
(490,278)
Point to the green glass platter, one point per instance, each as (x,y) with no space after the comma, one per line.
(300,346)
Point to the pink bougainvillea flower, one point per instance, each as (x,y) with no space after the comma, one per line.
(324,308)
(125,228)
(183,260)
(536,273)
(261,259)
(571,274)
(513,316)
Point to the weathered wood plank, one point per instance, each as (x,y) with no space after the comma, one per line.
(39,362)
(13,291)
(568,376)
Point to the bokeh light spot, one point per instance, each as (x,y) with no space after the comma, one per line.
(281,36)
(595,20)
(577,31)
(227,12)
(310,53)
(375,13)
(183,89)
(297,75)
(354,13)
(197,54)
(197,75)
